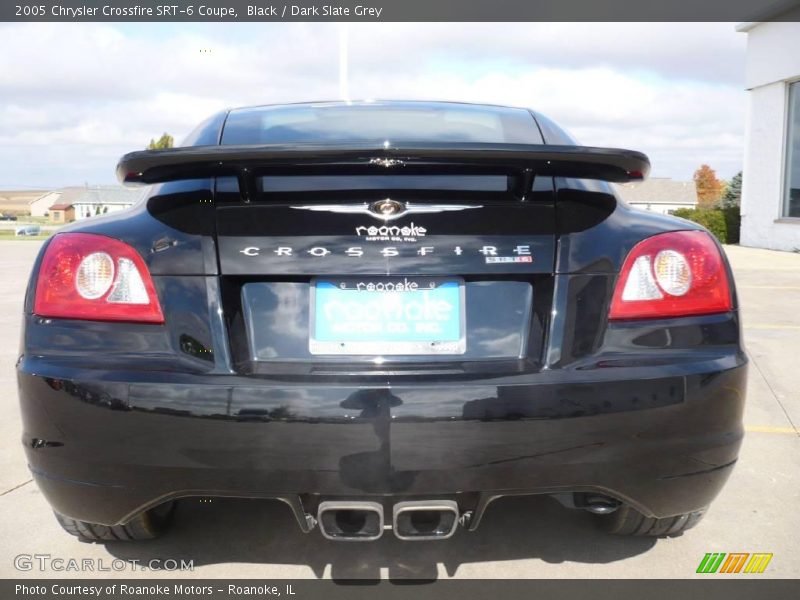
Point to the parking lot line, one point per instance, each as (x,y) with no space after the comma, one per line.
(768,429)
(770,326)
(762,269)
(768,287)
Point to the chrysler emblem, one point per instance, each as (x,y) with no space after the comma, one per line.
(387,209)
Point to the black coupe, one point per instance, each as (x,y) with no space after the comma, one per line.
(386,315)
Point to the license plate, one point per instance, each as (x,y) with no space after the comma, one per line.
(387,316)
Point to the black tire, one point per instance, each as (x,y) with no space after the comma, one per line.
(145,526)
(626,520)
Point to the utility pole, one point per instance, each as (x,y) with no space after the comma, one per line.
(344,91)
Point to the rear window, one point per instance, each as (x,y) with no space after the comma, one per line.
(378,123)
(318,183)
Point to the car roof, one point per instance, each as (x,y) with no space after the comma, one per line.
(380,102)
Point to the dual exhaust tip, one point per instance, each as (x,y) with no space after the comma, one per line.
(417,520)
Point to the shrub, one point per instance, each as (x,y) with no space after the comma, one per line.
(722,222)
(733,219)
(684,213)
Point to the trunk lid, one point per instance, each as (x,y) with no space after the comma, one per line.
(300,228)
(278,249)
(385,232)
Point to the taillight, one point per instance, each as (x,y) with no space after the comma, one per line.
(673,274)
(97,278)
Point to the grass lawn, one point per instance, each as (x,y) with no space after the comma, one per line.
(36,220)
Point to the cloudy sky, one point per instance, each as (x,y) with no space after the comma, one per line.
(75,96)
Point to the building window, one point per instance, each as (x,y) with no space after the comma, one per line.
(792,196)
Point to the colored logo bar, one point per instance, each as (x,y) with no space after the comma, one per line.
(734,562)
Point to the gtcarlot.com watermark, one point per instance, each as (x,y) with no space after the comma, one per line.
(48,562)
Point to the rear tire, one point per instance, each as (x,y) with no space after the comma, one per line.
(626,520)
(144,526)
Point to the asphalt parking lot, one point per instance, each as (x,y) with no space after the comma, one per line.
(519,538)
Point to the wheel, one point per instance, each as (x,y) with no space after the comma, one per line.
(626,520)
(144,526)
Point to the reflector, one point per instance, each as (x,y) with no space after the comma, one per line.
(94,277)
(674,274)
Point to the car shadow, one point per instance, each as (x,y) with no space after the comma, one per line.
(265,532)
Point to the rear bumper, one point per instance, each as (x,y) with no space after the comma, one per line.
(104,445)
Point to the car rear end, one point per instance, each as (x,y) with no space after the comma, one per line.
(382,331)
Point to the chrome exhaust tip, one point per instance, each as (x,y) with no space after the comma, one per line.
(600,505)
(602,509)
(350,521)
(425,519)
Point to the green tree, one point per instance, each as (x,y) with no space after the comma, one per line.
(733,192)
(165,141)
(709,188)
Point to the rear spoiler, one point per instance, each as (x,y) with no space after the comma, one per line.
(250,161)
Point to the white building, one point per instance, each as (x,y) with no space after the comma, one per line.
(101,200)
(39,206)
(85,201)
(659,194)
(771,181)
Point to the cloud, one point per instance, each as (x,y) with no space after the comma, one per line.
(74,97)
(710,52)
(679,124)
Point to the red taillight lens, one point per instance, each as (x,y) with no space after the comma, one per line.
(96,278)
(673,274)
